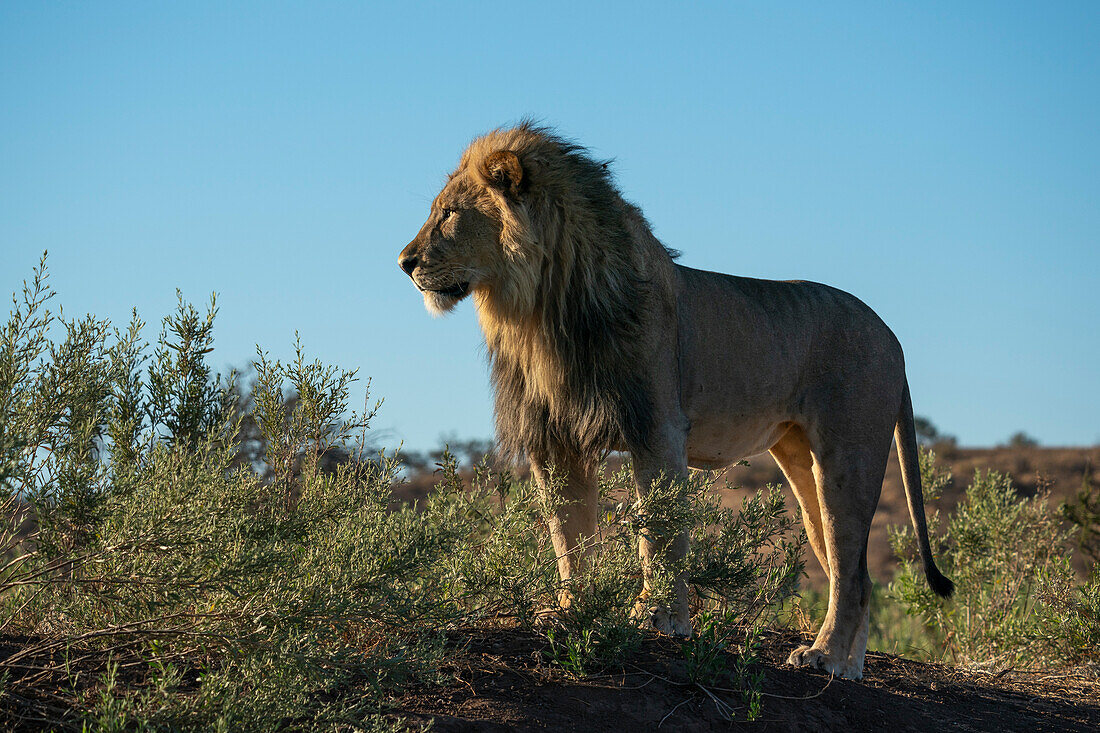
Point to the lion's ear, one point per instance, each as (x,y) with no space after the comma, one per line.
(503,170)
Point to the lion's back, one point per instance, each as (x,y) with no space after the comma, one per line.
(765,340)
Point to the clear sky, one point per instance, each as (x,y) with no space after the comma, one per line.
(941,160)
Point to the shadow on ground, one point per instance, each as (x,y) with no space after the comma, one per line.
(500,681)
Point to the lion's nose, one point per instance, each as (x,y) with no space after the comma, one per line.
(408,263)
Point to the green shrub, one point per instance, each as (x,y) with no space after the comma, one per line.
(740,566)
(1084,514)
(154,580)
(1017,601)
(159,573)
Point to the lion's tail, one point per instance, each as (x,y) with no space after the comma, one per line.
(905,435)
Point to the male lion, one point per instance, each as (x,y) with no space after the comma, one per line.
(599,341)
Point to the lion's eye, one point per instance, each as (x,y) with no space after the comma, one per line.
(445,214)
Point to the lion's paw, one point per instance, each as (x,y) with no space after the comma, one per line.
(660,619)
(808,656)
(548,616)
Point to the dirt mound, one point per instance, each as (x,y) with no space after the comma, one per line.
(500,681)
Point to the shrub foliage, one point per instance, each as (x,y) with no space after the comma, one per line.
(176,554)
(152,578)
(1018,602)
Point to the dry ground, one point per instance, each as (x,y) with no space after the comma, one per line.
(500,681)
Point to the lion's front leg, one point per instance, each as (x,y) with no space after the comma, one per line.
(677,619)
(574,495)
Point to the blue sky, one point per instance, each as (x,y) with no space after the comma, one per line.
(939,160)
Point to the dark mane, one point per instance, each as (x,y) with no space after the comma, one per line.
(588,312)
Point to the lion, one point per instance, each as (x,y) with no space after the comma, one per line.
(598,340)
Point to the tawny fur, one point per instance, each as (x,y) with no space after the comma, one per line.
(599,340)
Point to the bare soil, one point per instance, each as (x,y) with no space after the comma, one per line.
(499,680)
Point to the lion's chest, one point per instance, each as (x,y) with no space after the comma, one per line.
(521,350)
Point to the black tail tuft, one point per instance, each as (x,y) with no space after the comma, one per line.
(941,584)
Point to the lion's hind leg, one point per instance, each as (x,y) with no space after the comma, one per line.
(848,482)
(793,455)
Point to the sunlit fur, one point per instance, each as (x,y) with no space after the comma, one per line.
(563,314)
(439,304)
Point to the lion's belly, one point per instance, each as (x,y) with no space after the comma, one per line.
(716,443)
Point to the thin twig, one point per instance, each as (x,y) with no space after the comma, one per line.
(724,709)
(670,712)
(663,679)
(133,627)
(19,610)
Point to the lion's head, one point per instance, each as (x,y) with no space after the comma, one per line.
(561,269)
(457,250)
(475,236)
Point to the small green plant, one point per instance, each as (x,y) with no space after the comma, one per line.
(750,682)
(713,661)
(576,651)
(706,657)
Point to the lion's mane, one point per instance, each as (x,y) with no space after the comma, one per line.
(565,329)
